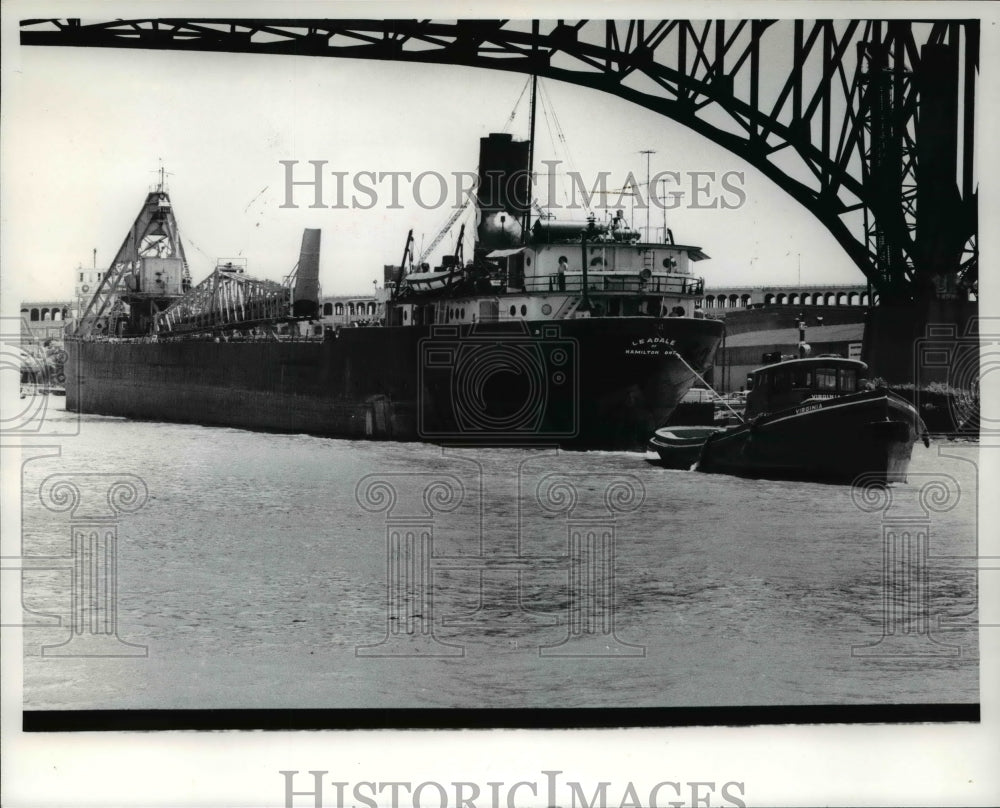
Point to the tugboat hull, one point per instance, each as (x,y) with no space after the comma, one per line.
(835,440)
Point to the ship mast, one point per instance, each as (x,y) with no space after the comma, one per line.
(531,157)
(648,153)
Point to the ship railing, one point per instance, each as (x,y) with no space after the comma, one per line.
(633,283)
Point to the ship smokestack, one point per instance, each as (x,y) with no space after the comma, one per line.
(306,292)
(503,194)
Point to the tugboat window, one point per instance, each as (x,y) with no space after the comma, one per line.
(848,380)
(513,311)
(826,379)
(524,310)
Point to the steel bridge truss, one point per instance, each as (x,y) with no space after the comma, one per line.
(225,301)
(869,124)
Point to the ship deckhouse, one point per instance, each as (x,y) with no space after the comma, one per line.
(566,270)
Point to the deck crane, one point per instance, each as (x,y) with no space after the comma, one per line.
(444,230)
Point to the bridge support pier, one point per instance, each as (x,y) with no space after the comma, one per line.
(897,334)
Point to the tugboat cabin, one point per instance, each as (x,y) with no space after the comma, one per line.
(787,384)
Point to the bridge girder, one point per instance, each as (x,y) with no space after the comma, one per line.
(830,111)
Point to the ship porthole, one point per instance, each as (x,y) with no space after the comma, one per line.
(546,309)
(524,310)
(527,260)
(406,315)
(513,311)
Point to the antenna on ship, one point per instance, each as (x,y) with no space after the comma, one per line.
(161,187)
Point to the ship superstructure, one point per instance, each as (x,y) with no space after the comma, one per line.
(565,270)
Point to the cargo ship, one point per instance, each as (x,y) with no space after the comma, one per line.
(579,334)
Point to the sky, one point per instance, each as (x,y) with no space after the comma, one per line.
(87,131)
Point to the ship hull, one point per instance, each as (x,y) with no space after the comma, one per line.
(580,384)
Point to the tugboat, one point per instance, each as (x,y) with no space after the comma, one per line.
(817,419)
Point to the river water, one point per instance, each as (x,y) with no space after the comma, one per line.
(256,573)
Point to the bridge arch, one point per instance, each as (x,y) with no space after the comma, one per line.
(704,75)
